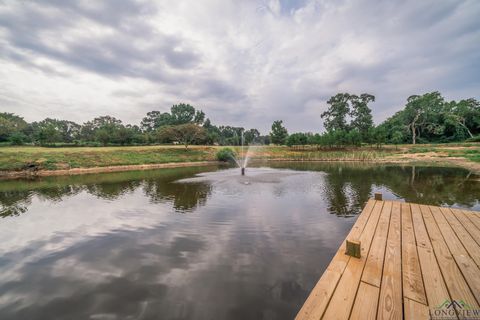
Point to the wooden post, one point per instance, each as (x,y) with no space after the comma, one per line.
(378,196)
(353,248)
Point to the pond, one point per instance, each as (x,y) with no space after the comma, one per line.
(192,243)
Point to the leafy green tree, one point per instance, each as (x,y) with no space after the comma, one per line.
(9,124)
(463,116)
(17,138)
(361,114)
(336,114)
(397,138)
(420,113)
(251,135)
(155,120)
(48,134)
(297,139)
(279,133)
(186,134)
(103,136)
(184,113)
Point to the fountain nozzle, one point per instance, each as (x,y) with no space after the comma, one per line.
(243,171)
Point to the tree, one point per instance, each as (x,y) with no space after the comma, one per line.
(155,119)
(17,138)
(48,134)
(9,124)
(464,114)
(186,134)
(336,114)
(279,133)
(184,113)
(296,139)
(362,114)
(251,135)
(397,138)
(420,112)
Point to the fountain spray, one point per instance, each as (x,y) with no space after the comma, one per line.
(243,162)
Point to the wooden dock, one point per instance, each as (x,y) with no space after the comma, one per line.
(417,262)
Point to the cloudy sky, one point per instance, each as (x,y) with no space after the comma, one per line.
(244,63)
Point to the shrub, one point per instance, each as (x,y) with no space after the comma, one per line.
(226,155)
(17,138)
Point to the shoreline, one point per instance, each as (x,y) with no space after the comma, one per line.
(447,162)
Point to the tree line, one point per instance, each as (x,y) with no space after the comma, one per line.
(427,118)
(183,124)
(348,122)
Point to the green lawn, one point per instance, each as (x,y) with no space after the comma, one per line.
(17,158)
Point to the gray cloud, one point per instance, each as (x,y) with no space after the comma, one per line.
(244,63)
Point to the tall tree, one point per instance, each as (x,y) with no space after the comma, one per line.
(361,114)
(279,133)
(336,114)
(420,113)
(184,113)
(464,114)
(155,119)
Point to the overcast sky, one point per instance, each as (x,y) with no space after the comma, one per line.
(245,63)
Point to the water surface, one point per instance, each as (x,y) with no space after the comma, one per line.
(191,243)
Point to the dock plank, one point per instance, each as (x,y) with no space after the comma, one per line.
(365,306)
(390,301)
(344,295)
(421,234)
(374,266)
(415,311)
(411,274)
(413,258)
(472,230)
(472,247)
(317,301)
(474,217)
(456,284)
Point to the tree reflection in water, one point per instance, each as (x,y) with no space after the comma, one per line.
(347,186)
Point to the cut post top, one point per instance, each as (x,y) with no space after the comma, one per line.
(353,248)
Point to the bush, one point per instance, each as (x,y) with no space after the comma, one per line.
(17,138)
(226,155)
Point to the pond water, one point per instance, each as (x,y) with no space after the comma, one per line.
(191,243)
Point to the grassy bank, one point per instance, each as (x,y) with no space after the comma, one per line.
(19,158)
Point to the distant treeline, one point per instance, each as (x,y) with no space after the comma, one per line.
(348,122)
(183,124)
(427,118)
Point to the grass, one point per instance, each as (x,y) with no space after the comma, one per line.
(17,158)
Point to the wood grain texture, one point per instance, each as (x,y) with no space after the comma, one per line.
(414,257)
(342,300)
(454,280)
(365,306)
(411,273)
(390,302)
(374,266)
(415,311)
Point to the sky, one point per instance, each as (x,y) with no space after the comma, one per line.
(244,63)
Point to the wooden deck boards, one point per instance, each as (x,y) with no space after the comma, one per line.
(414,258)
